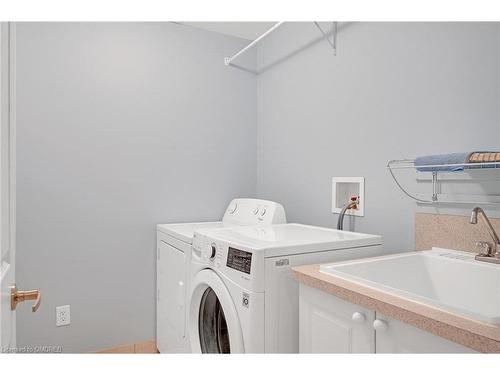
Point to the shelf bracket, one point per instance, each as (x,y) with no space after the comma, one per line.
(434,186)
(333,40)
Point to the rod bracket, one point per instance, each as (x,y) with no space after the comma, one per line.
(229,60)
(332,41)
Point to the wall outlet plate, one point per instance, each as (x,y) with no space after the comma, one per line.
(343,188)
(63,315)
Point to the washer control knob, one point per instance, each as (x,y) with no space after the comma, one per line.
(256,210)
(263,211)
(213,251)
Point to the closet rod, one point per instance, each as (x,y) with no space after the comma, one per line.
(228,60)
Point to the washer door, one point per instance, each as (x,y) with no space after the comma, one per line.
(214,326)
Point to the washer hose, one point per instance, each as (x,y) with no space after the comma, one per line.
(352,204)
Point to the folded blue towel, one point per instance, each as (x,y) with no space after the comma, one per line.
(454,158)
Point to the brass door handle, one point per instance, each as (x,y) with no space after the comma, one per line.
(17,296)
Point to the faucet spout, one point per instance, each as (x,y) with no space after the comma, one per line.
(493,234)
(473,215)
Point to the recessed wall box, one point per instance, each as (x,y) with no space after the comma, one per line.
(343,188)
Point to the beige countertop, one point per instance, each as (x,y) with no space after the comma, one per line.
(479,336)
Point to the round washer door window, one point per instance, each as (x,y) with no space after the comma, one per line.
(212,326)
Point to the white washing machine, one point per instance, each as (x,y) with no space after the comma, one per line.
(173,259)
(242,298)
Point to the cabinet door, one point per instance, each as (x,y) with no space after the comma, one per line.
(171,322)
(393,336)
(328,324)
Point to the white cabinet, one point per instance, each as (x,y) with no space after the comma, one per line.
(171,321)
(399,337)
(328,324)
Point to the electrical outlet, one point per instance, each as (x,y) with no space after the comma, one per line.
(63,315)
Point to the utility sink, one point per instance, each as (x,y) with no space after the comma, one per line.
(450,280)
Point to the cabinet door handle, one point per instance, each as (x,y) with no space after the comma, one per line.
(380,325)
(358,317)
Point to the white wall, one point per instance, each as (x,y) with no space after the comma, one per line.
(394,90)
(120,127)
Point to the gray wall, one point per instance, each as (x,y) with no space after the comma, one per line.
(498,79)
(394,90)
(120,127)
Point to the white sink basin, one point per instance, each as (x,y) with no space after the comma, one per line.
(450,280)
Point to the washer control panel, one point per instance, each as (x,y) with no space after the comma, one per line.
(239,260)
(240,264)
(218,255)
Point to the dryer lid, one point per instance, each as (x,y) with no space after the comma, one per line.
(240,211)
(185,231)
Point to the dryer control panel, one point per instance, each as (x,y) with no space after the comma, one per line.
(245,211)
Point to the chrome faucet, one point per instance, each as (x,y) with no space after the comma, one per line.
(491,255)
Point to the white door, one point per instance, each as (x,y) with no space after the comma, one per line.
(9,295)
(7,189)
(394,336)
(328,324)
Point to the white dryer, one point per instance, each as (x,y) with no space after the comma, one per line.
(242,298)
(173,259)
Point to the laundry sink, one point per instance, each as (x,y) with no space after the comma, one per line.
(447,279)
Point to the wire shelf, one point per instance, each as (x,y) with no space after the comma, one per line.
(435,198)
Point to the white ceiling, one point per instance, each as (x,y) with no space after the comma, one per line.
(245,30)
